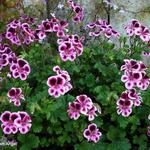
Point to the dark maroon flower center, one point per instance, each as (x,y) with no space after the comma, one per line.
(87,133)
(77,9)
(53,81)
(136,75)
(127,103)
(12,92)
(59,80)
(21,63)
(6,117)
(92,128)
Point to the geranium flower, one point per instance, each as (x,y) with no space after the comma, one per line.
(60,83)
(92,133)
(15,95)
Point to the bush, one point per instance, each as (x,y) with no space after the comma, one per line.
(97,74)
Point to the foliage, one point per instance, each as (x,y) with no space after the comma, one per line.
(97,74)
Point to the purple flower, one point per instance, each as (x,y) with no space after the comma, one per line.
(102,27)
(143,33)
(144,82)
(134,74)
(20,69)
(15,121)
(60,83)
(78,11)
(147,54)
(74,110)
(92,133)
(85,102)
(124,105)
(92,113)
(19,33)
(132,27)
(7,118)
(128,99)
(135,97)
(15,95)
(6,55)
(86,107)
(70,47)
(51,26)
(23,122)
(135,28)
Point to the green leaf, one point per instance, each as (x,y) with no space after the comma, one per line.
(141,141)
(119,145)
(115,133)
(29,141)
(90,146)
(90,81)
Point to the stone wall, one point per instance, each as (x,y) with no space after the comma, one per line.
(125,11)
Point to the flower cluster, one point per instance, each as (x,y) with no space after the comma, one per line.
(48,26)
(137,29)
(92,133)
(78,10)
(6,55)
(60,83)
(19,33)
(84,105)
(70,47)
(15,95)
(134,74)
(12,122)
(102,27)
(127,100)
(20,69)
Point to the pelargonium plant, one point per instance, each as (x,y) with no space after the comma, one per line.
(26,30)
